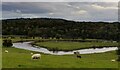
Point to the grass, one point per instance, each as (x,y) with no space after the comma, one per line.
(73,45)
(18,39)
(19,58)
(0,53)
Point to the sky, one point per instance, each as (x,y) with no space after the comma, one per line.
(77,11)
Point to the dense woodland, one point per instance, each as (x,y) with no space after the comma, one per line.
(60,28)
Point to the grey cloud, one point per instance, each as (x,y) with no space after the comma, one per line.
(24,8)
(69,10)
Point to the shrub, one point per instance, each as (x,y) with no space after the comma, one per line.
(7,43)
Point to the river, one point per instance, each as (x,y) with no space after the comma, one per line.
(28,46)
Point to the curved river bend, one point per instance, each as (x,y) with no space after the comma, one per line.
(28,46)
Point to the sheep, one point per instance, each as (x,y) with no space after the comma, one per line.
(31,53)
(76,53)
(113,60)
(6,51)
(78,56)
(36,56)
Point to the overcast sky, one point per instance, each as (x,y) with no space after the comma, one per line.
(78,11)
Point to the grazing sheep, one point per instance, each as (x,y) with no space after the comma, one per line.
(31,53)
(6,51)
(113,60)
(76,53)
(78,56)
(36,56)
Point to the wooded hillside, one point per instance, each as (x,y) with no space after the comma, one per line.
(60,28)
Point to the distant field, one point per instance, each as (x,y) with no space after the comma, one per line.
(19,58)
(18,38)
(73,45)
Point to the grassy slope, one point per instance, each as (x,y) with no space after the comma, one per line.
(18,58)
(73,45)
(0,53)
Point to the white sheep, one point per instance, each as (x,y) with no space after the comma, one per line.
(113,60)
(36,56)
(6,51)
(31,53)
(77,53)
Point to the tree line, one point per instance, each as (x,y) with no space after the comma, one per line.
(61,28)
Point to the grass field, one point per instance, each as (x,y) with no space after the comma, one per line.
(73,45)
(19,58)
(18,39)
(0,53)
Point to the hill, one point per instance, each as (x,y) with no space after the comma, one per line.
(60,28)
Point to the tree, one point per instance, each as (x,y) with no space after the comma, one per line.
(48,27)
(7,43)
(83,36)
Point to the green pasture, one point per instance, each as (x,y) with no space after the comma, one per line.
(19,58)
(73,45)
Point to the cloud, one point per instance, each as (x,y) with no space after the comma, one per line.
(24,8)
(82,12)
(18,11)
(102,7)
(51,13)
(60,0)
(10,14)
(78,11)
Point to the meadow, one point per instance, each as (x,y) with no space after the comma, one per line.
(19,58)
(68,46)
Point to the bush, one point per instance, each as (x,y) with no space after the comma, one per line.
(7,43)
